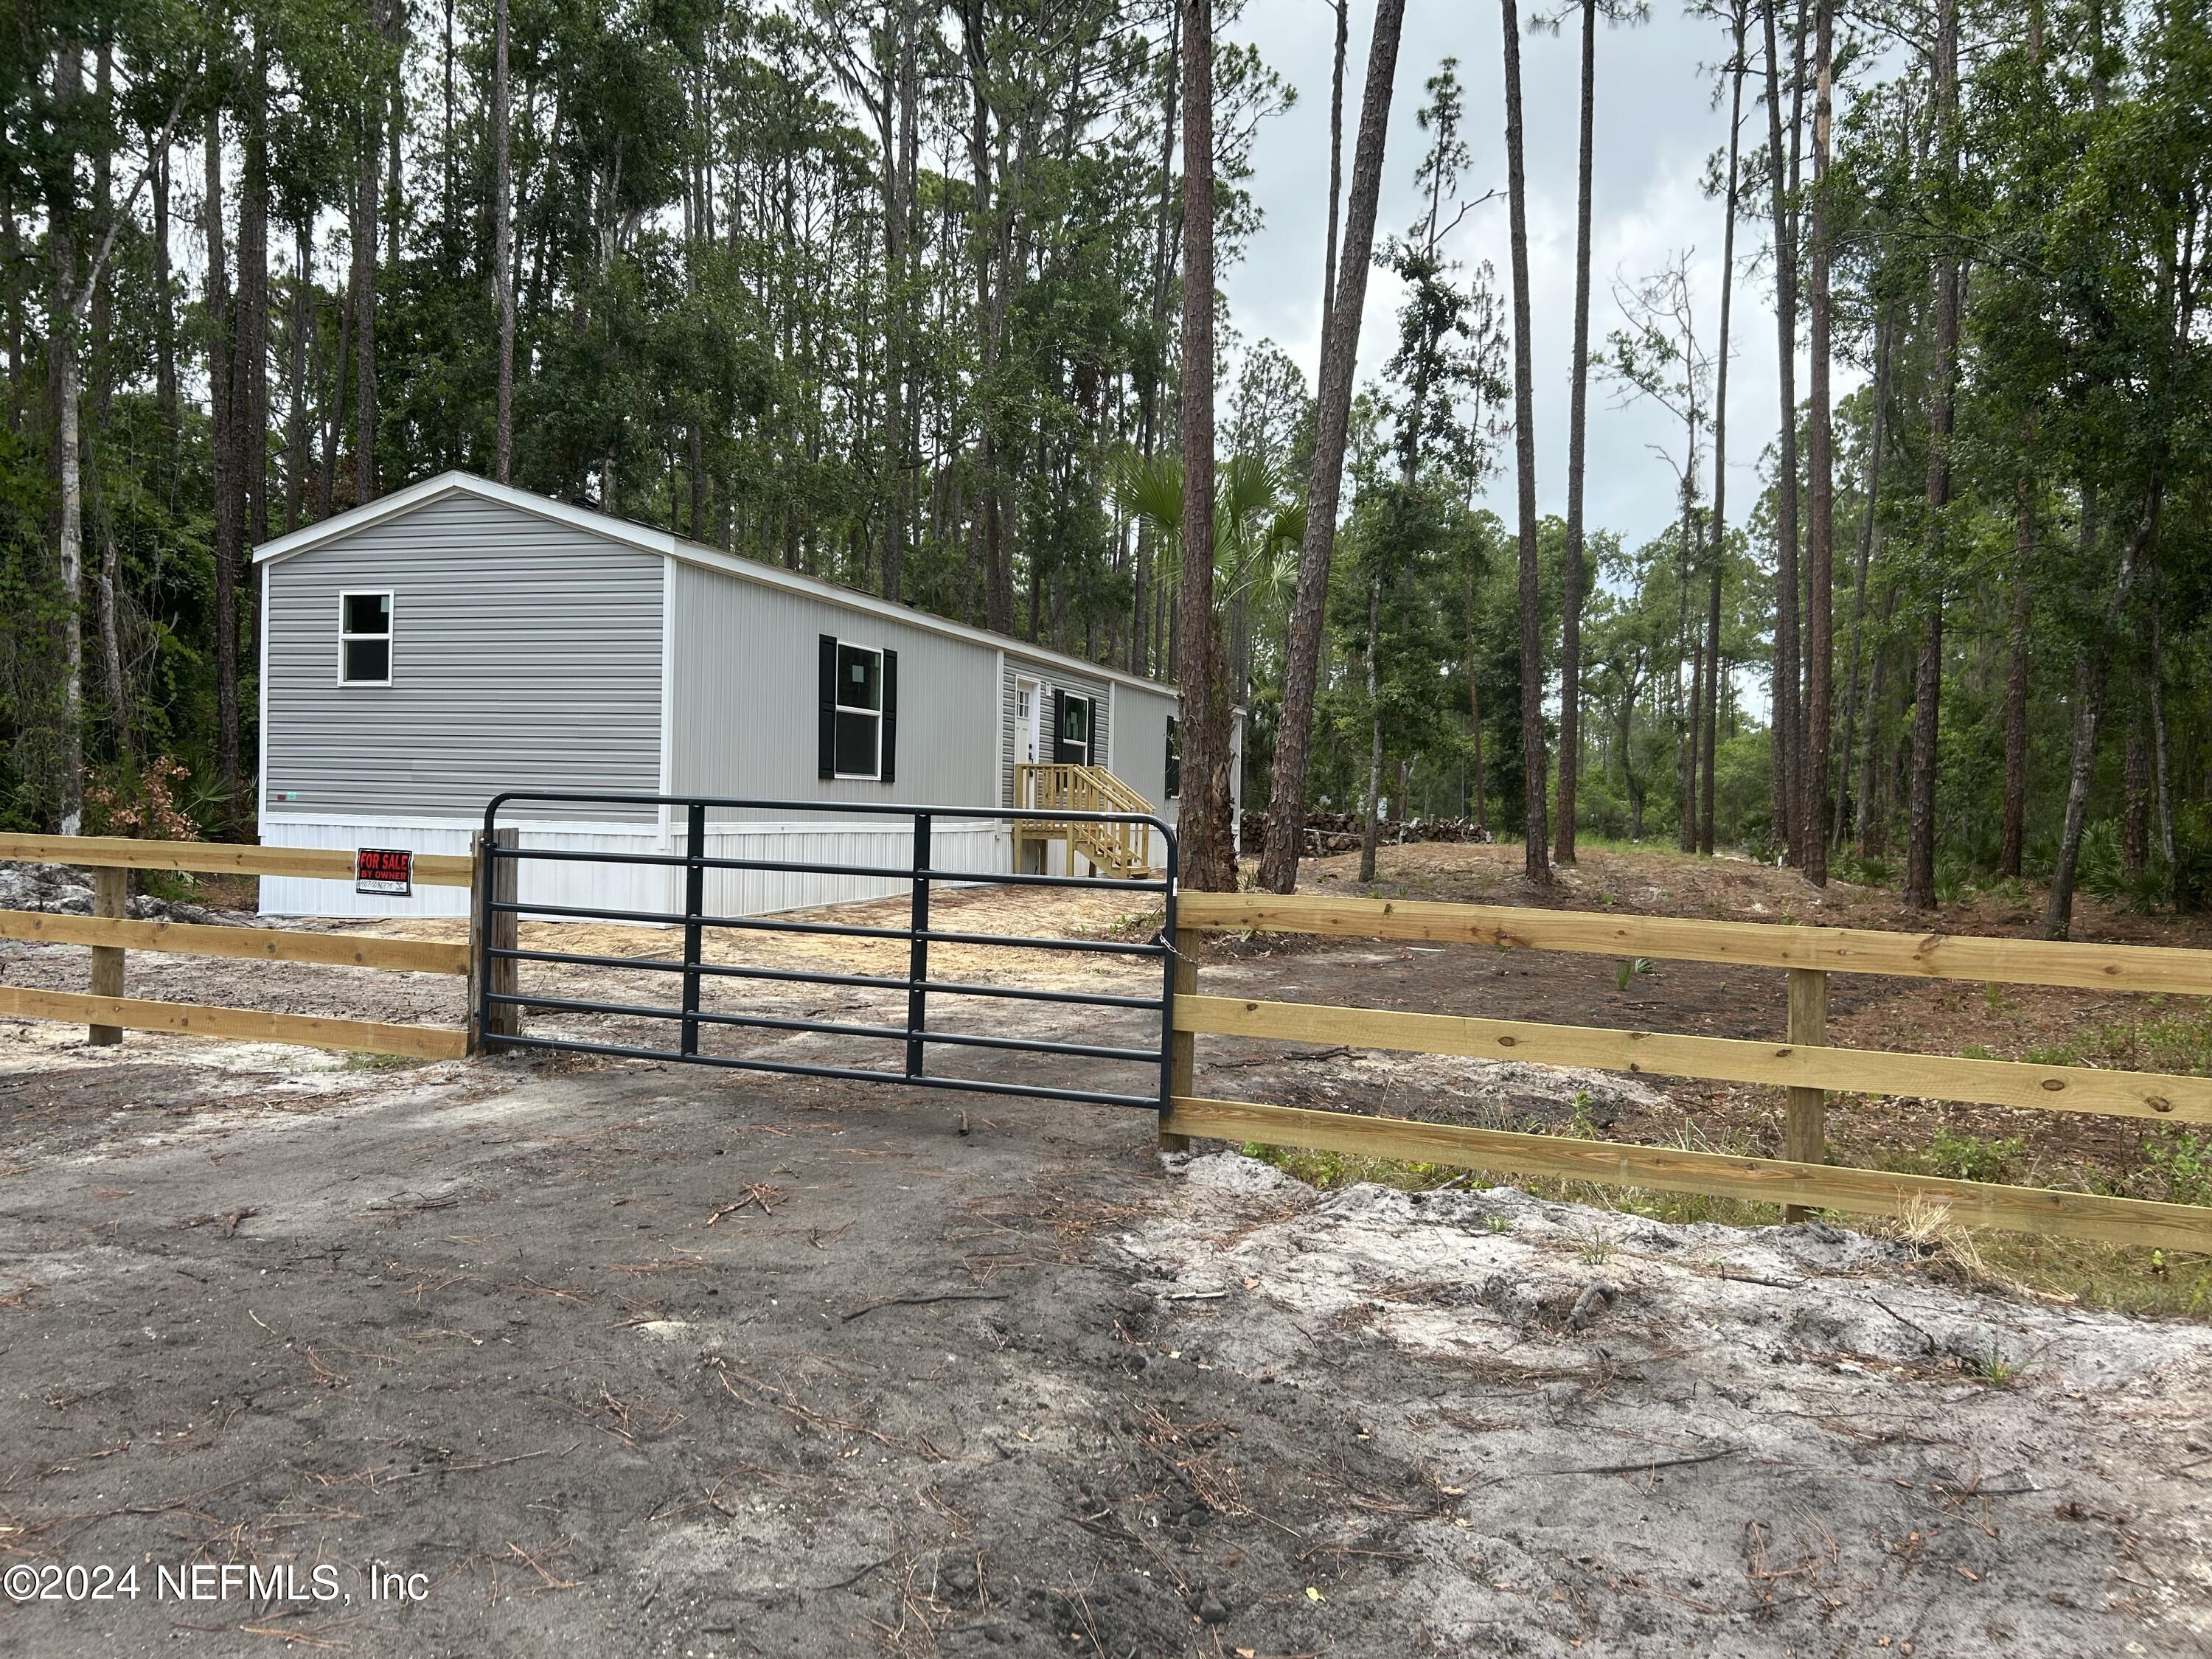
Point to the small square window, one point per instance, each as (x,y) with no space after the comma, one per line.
(365,639)
(368,662)
(368,613)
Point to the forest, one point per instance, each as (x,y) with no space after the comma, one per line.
(921,296)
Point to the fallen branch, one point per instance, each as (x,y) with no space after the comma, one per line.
(1626,1468)
(922,1302)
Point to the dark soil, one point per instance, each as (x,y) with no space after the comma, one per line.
(630,1358)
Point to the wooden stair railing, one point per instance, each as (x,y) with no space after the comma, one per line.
(1116,849)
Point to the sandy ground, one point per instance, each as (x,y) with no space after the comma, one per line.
(627,1359)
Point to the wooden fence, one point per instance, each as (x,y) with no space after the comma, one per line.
(1803,1063)
(110,933)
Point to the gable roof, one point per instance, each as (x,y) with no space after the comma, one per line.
(668,545)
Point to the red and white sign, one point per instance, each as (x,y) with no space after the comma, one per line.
(388,871)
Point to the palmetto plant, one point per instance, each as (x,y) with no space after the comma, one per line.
(1257,528)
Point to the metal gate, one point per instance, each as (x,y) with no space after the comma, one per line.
(499,908)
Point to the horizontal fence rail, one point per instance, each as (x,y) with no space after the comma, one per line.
(1804,1064)
(2152,968)
(110,933)
(1719,1059)
(223,858)
(417,956)
(1719,1175)
(239,1025)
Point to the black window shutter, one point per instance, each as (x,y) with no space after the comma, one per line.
(1173,763)
(827,744)
(1097,754)
(890,716)
(1059,726)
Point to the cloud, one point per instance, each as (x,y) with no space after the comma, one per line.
(1656,126)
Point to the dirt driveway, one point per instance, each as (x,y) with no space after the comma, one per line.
(572,1357)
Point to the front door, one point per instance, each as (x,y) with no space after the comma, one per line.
(1028,707)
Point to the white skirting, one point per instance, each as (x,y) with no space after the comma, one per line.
(981,846)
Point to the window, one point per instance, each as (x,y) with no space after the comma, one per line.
(860,711)
(365,639)
(1174,762)
(1074,731)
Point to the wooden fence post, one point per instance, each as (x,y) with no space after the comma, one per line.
(504,935)
(1805,1125)
(1181,1045)
(111,896)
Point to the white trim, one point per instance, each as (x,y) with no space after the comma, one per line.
(883,822)
(1030,738)
(1002,781)
(385,821)
(1113,724)
(667,695)
(390,637)
(839,706)
(668,545)
(261,773)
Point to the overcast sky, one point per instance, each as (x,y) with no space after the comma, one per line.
(1655,127)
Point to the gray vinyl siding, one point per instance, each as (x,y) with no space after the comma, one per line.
(1052,676)
(747,699)
(525,654)
(1140,745)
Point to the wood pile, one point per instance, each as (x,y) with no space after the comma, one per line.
(1340,832)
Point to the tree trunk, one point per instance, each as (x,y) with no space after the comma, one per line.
(2016,717)
(2089,685)
(1819,459)
(1286,806)
(62,360)
(1927,679)
(1868,824)
(502,242)
(2134,788)
(1571,612)
(1536,862)
(900,18)
(998,575)
(295,379)
(225,433)
(250,389)
(95,294)
(2161,752)
(1717,553)
(1209,862)
(165,315)
(334,411)
(1369,832)
(1686,644)
(1787,738)
(364,298)
(1869,531)
(1474,710)
(1343,10)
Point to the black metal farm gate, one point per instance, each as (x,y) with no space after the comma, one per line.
(499,909)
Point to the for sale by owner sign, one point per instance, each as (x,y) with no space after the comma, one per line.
(388,871)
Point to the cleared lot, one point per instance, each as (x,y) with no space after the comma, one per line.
(627,1359)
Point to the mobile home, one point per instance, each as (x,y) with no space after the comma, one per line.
(458,639)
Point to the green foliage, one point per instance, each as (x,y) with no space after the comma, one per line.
(1963,1157)
(2181,1161)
